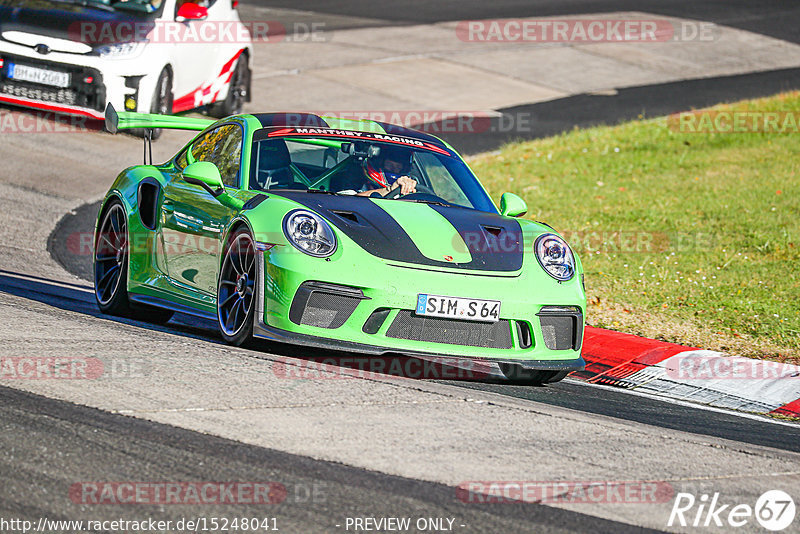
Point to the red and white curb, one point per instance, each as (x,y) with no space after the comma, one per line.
(690,374)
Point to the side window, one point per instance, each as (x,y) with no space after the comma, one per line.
(222,147)
(180,161)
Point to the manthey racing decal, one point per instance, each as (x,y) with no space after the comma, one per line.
(354,134)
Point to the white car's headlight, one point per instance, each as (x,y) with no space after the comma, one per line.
(309,233)
(555,256)
(120,50)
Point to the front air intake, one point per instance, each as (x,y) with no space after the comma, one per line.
(562,327)
(324,305)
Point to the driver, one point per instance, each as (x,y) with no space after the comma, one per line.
(389,172)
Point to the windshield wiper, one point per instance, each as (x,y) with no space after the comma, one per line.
(321,191)
(432,202)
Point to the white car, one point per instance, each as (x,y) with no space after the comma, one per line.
(151,56)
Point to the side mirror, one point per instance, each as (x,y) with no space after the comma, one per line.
(190,11)
(512,206)
(206,175)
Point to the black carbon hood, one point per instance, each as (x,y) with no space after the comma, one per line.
(495,243)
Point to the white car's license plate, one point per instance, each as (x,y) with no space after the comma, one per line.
(458,308)
(24,73)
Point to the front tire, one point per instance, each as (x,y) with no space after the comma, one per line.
(236,289)
(531,377)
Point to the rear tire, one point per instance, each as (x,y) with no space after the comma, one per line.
(111,269)
(531,377)
(111,261)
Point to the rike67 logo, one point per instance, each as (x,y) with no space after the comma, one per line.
(774,510)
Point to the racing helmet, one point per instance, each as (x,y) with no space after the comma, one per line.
(386,178)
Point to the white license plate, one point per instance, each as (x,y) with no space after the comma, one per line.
(25,73)
(458,308)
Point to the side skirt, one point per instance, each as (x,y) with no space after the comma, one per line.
(169,305)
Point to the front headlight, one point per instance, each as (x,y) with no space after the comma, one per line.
(309,233)
(120,50)
(555,257)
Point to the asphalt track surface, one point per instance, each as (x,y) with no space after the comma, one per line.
(775,18)
(585,110)
(778,19)
(567,394)
(39,438)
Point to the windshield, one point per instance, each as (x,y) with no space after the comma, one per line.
(145,8)
(365,168)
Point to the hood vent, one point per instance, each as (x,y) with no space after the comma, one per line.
(347,215)
(493,230)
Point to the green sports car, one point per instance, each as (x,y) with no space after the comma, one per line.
(358,236)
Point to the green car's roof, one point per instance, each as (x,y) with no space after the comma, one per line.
(124,120)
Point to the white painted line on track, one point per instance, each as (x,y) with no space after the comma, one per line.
(37,279)
(687,404)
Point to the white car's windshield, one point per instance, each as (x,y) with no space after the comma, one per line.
(133,7)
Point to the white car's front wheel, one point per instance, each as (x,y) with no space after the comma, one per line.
(161,102)
(162,97)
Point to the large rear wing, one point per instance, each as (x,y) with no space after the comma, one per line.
(125,120)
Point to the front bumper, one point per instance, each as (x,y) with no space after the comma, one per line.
(112,80)
(85,95)
(277,319)
(263,331)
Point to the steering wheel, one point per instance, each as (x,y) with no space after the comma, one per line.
(396,192)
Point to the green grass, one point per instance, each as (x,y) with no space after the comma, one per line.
(711,248)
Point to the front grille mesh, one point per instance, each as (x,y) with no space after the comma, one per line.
(57,95)
(407,325)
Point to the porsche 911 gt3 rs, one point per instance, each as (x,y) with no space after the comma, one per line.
(279,226)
